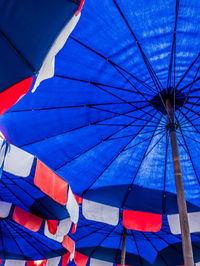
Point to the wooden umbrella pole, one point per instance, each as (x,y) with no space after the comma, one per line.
(123,254)
(183,217)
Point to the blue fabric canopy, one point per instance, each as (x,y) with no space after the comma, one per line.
(101,122)
(23,190)
(20,243)
(23,193)
(27,32)
(104,242)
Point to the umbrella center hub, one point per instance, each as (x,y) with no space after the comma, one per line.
(177,98)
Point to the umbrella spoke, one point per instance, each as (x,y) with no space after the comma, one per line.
(190,109)
(85,191)
(34,247)
(146,140)
(173,49)
(189,154)
(25,191)
(77,106)
(187,71)
(188,85)
(189,91)
(24,59)
(134,240)
(141,92)
(100,142)
(144,155)
(184,123)
(14,239)
(194,126)
(192,103)
(101,84)
(138,91)
(179,237)
(95,231)
(112,112)
(15,195)
(189,137)
(162,257)
(2,243)
(112,63)
(33,236)
(97,246)
(135,135)
(169,244)
(125,125)
(125,100)
(74,129)
(153,75)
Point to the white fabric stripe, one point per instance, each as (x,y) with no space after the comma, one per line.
(17,161)
(47,69)
(4,209)
(95,262)
(62,230)
(100,213)
(14,263)
(194,222)
(72,206)
(53,261)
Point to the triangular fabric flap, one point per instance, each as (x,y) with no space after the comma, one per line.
(50,183)
(47,69)
(80,259)
(72,206)
(69,244)
(65,259)
(52,226)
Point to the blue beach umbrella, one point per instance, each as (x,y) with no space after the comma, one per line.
(23,238)
(103,242)
(125,95)
(28,34)
(21,183)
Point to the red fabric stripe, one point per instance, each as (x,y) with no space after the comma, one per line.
(78,199)
(73,228)
(120,265)
(80,259)
(80,7)
(68,243)
(50,183)
(65,259)
(52,226)
(37,263)
(27,219)
(13,94)
(142,221)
